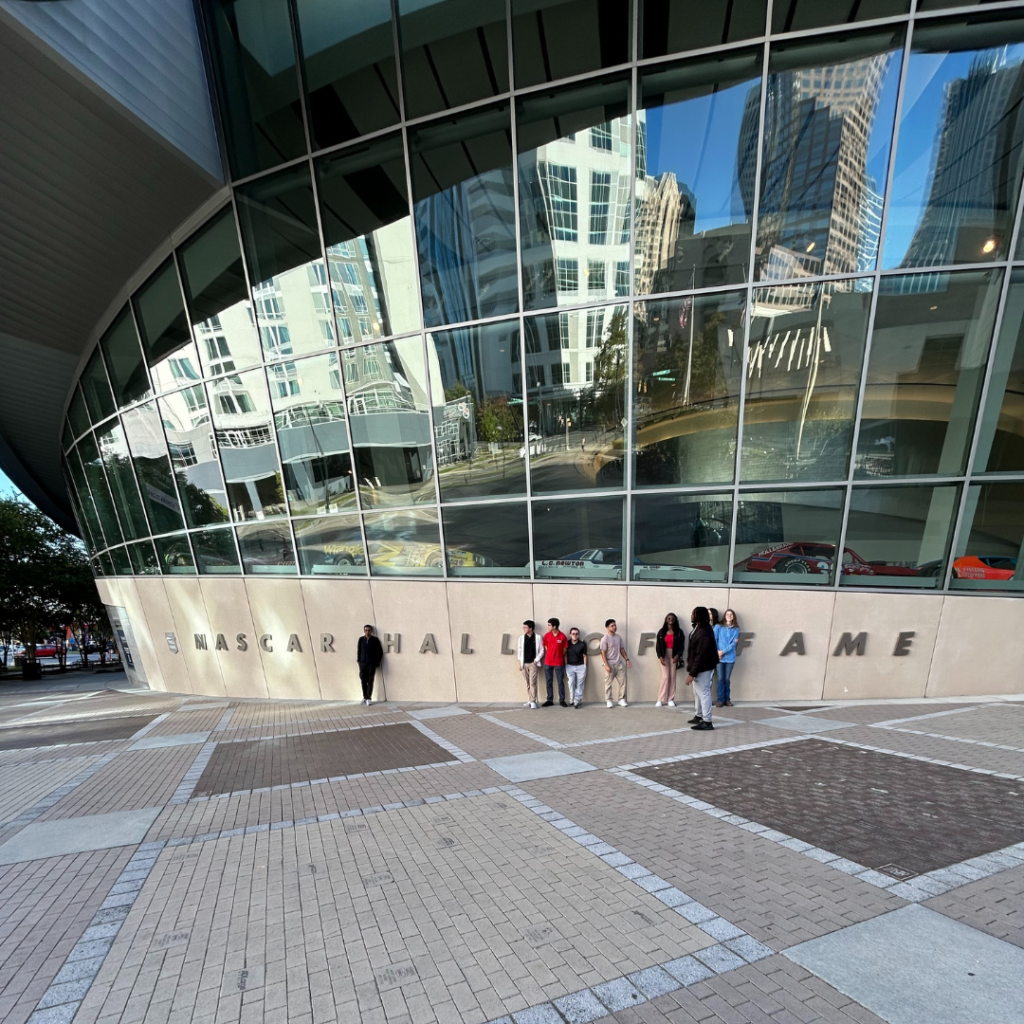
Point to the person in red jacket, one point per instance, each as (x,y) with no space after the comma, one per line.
(555,643)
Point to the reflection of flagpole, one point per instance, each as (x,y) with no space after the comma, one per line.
(812,377)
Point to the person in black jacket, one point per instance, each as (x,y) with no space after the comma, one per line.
(369,655)
(701,659)
(576,666)
(669,648)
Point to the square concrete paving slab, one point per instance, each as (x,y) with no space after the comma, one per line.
(77,835)
(545,764)
(804,723)
(915,965)
(181,739)
(442,712)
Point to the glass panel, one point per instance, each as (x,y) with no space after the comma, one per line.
(330,545)
(671,26)
(828,129)
(698,140)
(681,537)
(578,539)
(122,563)
(67,436)
(243,426)
(309,414)
(791,534)
(476,380)
(453,53)
(1001,438)
(575,167)
(116,460)
(267,549)
(389,415)
(795,15)
(123,356)
(555,39)
(348,56)
(93,383)
(97,481)
(899,536)
(218,298)
(928,355)
(163,326)
(106,565)
(152,468)
(78,414)
(254,62)
(186,418)
(687,365)
(465,216)
(215,553)
(990,551)
(84,508)
(364,206)
(959,157)
(404,543)
(577,419)
(291,290)
(803,368)
(487,540)
(175,555)
(144,560)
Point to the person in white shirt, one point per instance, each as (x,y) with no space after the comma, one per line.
(530,654)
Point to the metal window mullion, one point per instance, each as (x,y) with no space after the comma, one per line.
(876,280)
(300,76)
(629,444)
(969,470)
(749,311)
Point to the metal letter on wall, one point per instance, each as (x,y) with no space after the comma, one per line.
(221,644)
(241,644)
(795,645)
(172,642)
(743,641)
(646,640)
(904,641)
(200,641)
(293,643)
(429,644)
(506,640)
(393,642)
(850,644)
(326,643)
(465,649)
(266,642)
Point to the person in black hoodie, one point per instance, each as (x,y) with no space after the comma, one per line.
(701,659)
(576,666)
(669,648)
(369,655)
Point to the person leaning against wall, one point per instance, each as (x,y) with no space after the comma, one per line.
(576,666)
(669,646)
(701,659)
(726,636)
(530,654)
(369,655)
(613,654)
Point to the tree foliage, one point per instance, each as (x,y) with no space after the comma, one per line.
(46,585)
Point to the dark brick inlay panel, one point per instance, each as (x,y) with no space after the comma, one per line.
(875,808)
(277,762)
(88,730)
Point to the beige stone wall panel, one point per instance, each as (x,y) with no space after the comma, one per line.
(227,602)
(339,607)
(172,670)
(278,612)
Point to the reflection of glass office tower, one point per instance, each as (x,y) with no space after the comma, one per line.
(976,159)
(816,211)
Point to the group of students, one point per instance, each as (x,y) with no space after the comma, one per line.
(709,650)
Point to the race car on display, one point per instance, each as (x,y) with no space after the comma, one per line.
(814,559)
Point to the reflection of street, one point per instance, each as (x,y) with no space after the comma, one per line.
(562,462)
(492,469)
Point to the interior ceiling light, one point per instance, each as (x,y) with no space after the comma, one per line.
(989,245)
(810,248)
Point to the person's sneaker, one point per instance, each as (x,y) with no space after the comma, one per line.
(728,703)
(528,704)
(577,705)
(671,703)
(548,704)
(720,704)
(623,704)
(562,704)
(702,726)
(610,704)
(657,704)
(696,720)
(534,706)
(369,703)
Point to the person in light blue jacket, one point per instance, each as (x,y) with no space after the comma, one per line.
(726,635)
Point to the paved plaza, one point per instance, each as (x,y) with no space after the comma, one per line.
(172,858)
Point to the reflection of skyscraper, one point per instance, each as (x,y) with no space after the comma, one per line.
(976,165)
(815,185)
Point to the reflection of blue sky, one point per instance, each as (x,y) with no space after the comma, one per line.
(880,141)
(920,121)
(7,489)
(697,140)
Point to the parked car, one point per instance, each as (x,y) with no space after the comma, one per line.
(984,567)
(610,559)
(802,558)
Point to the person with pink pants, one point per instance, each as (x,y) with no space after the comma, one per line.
(669,649)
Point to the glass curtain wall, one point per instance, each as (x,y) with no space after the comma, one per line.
(647,290)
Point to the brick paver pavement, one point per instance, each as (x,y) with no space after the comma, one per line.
(319,862)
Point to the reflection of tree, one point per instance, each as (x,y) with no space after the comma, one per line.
(200,507)
(497,421)
(610,373)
